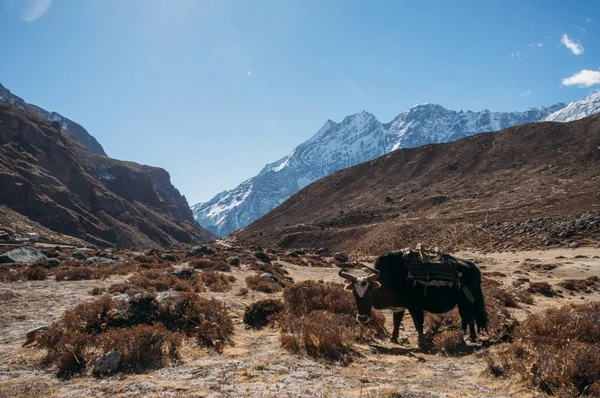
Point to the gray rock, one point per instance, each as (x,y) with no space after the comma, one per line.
(233,261)
(262,256)
(162,296)
(184,273)
(200,250)
(108,363)
(574,245)
(341,257)
(79,255)
(168,257)
(321,250)
(291,254)
(52,263)
(268,275)
(23,254)
(100,260)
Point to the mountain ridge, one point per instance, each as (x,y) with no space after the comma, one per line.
(357,138)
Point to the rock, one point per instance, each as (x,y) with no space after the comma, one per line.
(163,296)
(268,275)
(321,250)
(565,234)
(341,257)
(169,257)
(183,273)
(233,261)
(291,254)
(52,263)
(24,254)
(79,255)
(200,250)
(574,245)
(108,363)
(262,256)
(100,260)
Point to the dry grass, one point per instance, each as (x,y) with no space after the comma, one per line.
(216,281)
(587,285)
(147,332)
(161,280)
(265,285)
(543,288)
(261,313)
(556,351)
(209,264)
(35,273)
(318,320)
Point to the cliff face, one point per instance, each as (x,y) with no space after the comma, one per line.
(49,176)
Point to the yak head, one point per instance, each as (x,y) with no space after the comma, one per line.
(362,288)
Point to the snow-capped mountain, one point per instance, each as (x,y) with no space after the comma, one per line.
(73,128)
(576,110)
(358,138)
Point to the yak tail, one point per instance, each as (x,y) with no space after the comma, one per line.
(480,314)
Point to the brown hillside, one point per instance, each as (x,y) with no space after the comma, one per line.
(49,177)
(530,185)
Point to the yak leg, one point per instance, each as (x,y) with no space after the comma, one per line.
(418,317)
(468,319)
(398,316)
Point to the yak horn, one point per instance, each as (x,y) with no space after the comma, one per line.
(374,273)
(346,275)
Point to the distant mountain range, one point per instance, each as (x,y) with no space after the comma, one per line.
(359,138)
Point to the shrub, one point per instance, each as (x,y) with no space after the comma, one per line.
(73,274)
(450,342)
(97,291)
(216,281)
(318,319)
(207,264)
(556,351)
(261,313)
(35,273)
(581,285)
(542,288)
(262,284)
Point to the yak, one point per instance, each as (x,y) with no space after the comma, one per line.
(403,280)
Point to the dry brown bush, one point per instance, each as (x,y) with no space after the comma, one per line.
(450,342)
(491,288)
(209,264)
(262,284)
(261,313)
(147,332)
(97,291)
(581,285)
(318,320)
(73,274)
(35,273)
(159,281)
(557,351)
(543,288)
(216,281)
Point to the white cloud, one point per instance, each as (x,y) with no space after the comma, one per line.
(584,78)
(576,48)
(534,44)
(589,20)
(249,73)
(526,93)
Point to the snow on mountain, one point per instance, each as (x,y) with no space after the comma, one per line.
(358,138)
(576,110)
(75,129)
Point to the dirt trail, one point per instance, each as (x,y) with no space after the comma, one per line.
(258,367)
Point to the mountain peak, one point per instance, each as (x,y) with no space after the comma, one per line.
(576,110)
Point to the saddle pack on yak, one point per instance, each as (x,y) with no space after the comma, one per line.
(432,267)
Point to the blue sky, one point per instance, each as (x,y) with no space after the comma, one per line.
(213,90)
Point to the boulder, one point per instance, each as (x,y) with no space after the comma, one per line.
(52,263)
(23,254)
(200,250)
(79,255)
(100,260)
(108,363)
(168,257)
(261,256)
(183,273)
(233,261)
(321,250)
(291,254)
(268,275)
(574,245)
(341,257)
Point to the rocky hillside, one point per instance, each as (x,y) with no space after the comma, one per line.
(52,178)
(358,138)
(526,186)
(74,129)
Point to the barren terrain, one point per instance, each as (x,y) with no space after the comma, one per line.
(257,366)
